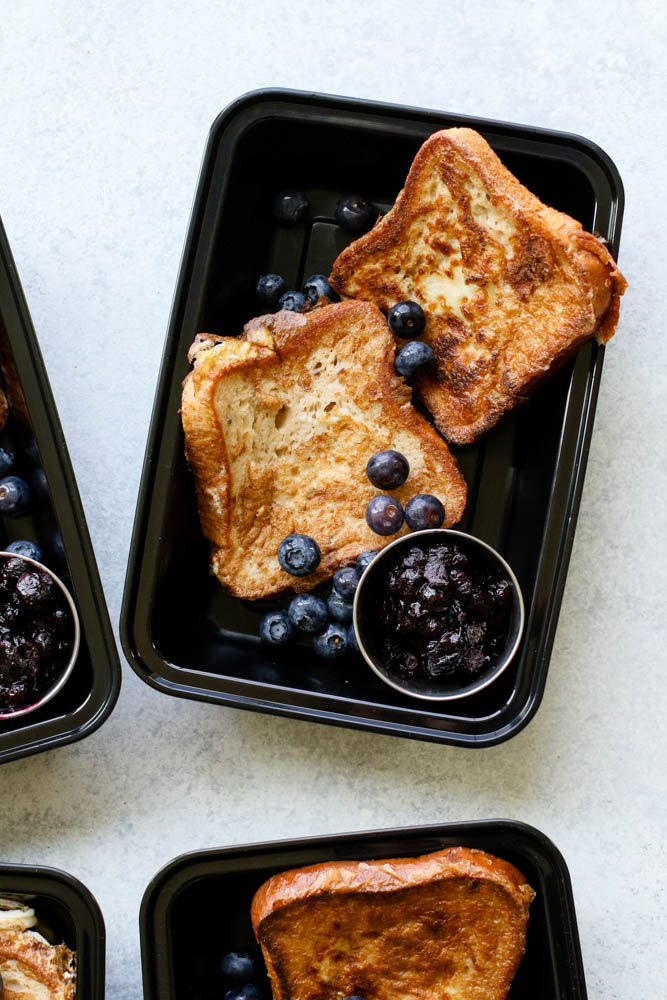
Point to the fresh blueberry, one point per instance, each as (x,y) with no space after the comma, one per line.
(299,555)
(345,582)
(332,642)
(352,640)
(14,496)
(365,559)
(308,613)
(384,514)
(338,607)
(238,968)
(24,548)
(292,301)
(355,213)
(6,462)
(406,320)
(247,992)
(275,628)
(414,358)
(290,207)
(317,286)
(424,511)
(270,288)
(387,469)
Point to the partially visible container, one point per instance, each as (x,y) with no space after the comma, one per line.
(198,907)
(71,912)
(54,520)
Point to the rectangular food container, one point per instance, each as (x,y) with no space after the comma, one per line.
(198,907)
(179,631)
(72,913)
(55,521)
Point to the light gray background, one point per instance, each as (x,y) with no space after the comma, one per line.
(105,110)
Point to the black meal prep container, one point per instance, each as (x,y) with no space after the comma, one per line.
(198,907)
(55,521)
(179,631)
(71,912)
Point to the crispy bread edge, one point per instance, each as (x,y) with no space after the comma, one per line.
(49,964)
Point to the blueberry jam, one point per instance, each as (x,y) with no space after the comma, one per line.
(36,633)
(443,613)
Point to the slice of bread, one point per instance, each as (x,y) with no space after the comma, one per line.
(445,926)
(510,287)
(30,967)
(279,425)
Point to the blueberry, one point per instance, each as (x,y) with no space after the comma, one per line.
(345,582)
(365,559)
(14,496)
(387,469)
(384,514)
(355,213)
(270,288)
(338,607)
(6,462)
(424,511)
(406,320)
(352,640)
(34,588)
(299,555)
(24,548)
(332,642)
(414,358)
(275,628)
(238,968)
(317,286)
(292,302)
(247,992)
(290,207)
(308,613)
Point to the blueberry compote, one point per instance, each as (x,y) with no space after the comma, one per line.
(36,633)
(443,613)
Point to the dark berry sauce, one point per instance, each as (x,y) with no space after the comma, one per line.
(443,614)
(36,633)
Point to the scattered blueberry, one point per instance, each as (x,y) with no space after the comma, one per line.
(24,548)
(316,286)
(308,613)
(352,640)
(290,207)
(424,511)
(415,357)
(345,582)
(355,213)
(238,967)
(387,469)
(338,607)
(14,496)
(270,288)
(292,301)
(275,628)
(247,992)
(299,555)
(365,559)
(406,320)
(384,514)
(6,462)
(332,642)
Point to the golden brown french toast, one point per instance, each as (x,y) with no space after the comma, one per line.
(30,967)
(445,926)
(510,288)
(279,425)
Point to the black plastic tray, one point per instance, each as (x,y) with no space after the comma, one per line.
(198,907)
(56,522)
(72,913)
(179,632)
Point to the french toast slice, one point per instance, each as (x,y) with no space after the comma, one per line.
(510,288)
(446,926)
(30,967)
(279,425)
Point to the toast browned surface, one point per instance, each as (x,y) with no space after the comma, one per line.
(445,926)
(279,425)
(30,967)
(510,288)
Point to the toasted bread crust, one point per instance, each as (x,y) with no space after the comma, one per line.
(32,969)
(511,288)
(341,928)
(257,482)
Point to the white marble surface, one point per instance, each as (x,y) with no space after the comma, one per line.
(105,109)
